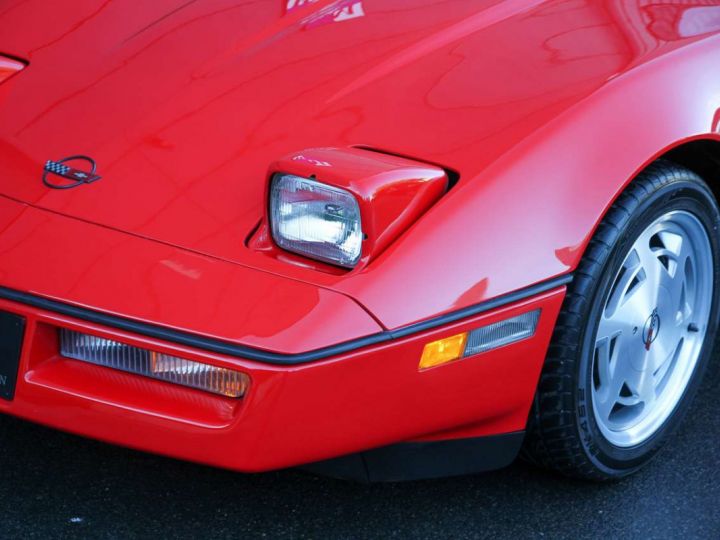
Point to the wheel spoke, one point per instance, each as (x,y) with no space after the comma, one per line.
(632,309)
(662,351)
(608,398)
(637,288)
(661,368)
(603,360)
(630,278)
(649,260)
(612,328)
(677,282)
(614,370)
(644,388)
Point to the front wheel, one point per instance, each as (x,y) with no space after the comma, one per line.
(635,333)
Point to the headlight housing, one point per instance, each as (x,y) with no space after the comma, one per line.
(316,220)
(343,206)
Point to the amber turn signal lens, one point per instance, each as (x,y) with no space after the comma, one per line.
(443,350)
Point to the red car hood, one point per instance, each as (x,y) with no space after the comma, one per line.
(184,104)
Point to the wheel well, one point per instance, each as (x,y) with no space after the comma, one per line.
(703,158)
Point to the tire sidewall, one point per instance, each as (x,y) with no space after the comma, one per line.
(691,195)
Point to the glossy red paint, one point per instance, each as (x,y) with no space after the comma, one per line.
(545,108)
(392,192)
(9,67)
(61,258)
(523,98)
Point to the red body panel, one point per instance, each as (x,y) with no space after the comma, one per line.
(546,109)
(57,257)
(9,67)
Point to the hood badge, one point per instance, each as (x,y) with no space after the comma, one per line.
(58,169)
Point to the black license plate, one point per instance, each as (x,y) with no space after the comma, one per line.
(12,329)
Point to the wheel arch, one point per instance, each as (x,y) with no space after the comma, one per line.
(698,153)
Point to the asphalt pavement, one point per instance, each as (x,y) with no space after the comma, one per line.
(55,485)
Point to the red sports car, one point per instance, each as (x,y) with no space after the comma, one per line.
(384,239)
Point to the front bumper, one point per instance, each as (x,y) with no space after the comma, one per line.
(292,414)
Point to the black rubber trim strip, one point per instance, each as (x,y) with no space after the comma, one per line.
(250,353)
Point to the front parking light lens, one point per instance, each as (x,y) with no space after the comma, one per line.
(316,220)
(156,365)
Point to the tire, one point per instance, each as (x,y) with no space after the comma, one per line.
(574,426)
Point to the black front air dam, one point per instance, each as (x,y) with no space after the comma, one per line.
(424,460)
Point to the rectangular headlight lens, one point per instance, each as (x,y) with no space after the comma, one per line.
(113,354)
(316,220)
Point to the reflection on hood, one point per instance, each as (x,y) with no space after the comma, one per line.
(671,22)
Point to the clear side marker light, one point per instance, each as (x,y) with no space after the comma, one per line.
(502,333)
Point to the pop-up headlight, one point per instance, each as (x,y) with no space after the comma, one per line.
(344,206)
(315,220)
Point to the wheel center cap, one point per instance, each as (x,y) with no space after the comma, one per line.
(651,329)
